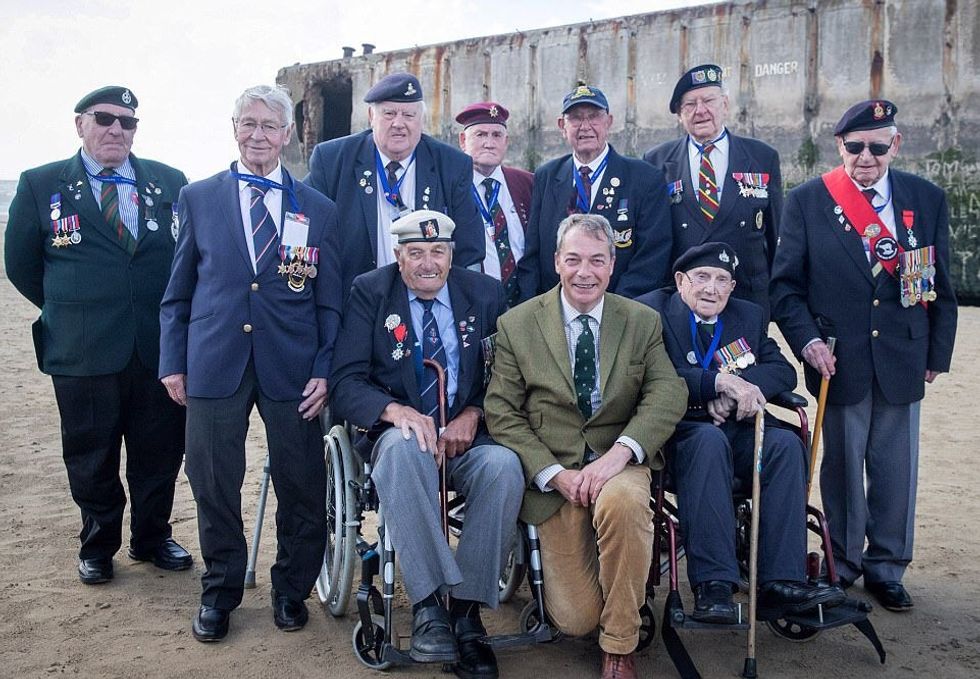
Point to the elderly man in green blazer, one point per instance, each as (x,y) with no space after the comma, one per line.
(584,392)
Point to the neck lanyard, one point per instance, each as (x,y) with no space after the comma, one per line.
(390,191)
(111,178)
(701,147)
(487,210)
(267,184)
(583,200)
(705,360)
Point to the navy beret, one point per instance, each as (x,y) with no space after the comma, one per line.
(584,94)
(717,255)
(111,94)
(705,75)
(867,115)
(483,112)
(399,87)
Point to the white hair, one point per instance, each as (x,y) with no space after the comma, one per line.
(276,97)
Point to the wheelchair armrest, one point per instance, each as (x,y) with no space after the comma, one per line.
(789,400)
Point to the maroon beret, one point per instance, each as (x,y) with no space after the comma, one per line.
(483,112)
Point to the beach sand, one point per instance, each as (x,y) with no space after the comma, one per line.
(139,625)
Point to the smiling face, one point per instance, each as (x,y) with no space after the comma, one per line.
(586,127)
(486,144)
(424,266)
(584,264)
(703,112)
(866,168)
(705,289)
(397,127)
(261,134)
(109,146)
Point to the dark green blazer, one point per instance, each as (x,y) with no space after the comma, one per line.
(98,302)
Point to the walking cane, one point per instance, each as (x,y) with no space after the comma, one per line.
(818,421)
(749,669)
(253,555)
(443,488)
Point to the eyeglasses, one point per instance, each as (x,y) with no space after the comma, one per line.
(689,107)
(103,119)
(877,148)
(579,119)
(248,127)
(701,279)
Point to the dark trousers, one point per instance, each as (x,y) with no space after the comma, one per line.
(97,414)
(705,462)
(216,429)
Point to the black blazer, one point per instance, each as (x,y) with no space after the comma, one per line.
(822,286)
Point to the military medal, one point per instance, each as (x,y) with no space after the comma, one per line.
(400,332)
(735,357)
(675,191)
(908,219)
(752,184)
(152,225)
(75,237)
(872,231)
(174,225)
(691,358)
(917,271)
(55,207)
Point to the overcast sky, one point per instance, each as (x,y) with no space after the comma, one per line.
(187,60)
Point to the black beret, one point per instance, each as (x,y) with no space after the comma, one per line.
(867,115)
(705,75)
(111,94)
(584,94)
(400,87)
(483,112)
(718,255)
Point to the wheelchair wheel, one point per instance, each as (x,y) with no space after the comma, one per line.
(792,631)
(514,570)
(333,585)
(370,654)
(530,620)
(648,624)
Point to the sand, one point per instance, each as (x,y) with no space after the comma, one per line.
(139,625)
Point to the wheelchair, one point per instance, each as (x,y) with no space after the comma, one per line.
(820,567)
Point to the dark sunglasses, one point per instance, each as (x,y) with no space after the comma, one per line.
(104,119)
(876,147)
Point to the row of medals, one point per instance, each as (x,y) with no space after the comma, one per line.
(64,237)
(296,273)
(916,283)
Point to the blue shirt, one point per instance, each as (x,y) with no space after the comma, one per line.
(128,198)
(442,310)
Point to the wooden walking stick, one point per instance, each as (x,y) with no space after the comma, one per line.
(749,669)
(440,425)
(818,421)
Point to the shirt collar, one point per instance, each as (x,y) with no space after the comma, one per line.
(442,297)
(596,162)
(881,187)
(385,159)
(701,319)
(92,166)
(720,145)
(497,174)
(570,313)
(274,176)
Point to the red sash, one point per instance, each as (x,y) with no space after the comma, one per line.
(859,212)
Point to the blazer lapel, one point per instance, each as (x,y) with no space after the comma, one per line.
(551,325)
(364,168)
(610,336)
(849,240)
(426,179)
(231,211)
(561,187)
(737,162)
(689,196)
(397,304)
(143,191)
(74,182)
(900,205)
(468,340)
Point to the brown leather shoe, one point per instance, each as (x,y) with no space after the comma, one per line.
(615,666)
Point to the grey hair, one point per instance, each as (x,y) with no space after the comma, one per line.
(596,226)
(275,97)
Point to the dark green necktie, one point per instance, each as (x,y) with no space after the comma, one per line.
(585,367)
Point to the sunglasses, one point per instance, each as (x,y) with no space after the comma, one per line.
(855,148)
(104,119)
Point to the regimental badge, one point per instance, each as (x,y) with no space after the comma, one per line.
(699,77)
(724,257)
(582,91)
(174,223)
(126,97)
(623,239)
(410,90)
(735,357)
(494,111)
(879,111)
(758,220)
(712,75)
(886,248)
(430,228)
(392,322)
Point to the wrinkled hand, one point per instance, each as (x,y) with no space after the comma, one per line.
(721,408)
(314,398)
(410,421)
(931,375)
(458,435)
(747,396)
(176,385)
(567,482)
(820,359)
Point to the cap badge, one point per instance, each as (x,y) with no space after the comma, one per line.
(126,97)
(430,228)
(879,111)
(410,90)
(494,111)
(724,257)
(712,74)
(698,77)
(582,91)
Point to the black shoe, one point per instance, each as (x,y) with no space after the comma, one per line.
(289,614)
(432,636)
(476,658)
(168,555)
(95,571)
(713,603)
(798,597)
(891,595)
(210,624)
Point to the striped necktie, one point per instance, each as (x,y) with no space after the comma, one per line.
(501,241)
(109,200)
(707,187)
(264,232)
(432,348)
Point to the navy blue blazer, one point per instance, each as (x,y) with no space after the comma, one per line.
(217,313)
(771,372)
(638,214)
(823,286)
(367,376)
(337,167)
(747,223)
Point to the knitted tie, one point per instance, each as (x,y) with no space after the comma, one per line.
(110,210)
(264,234)
(431,348)
(393,168)
(584,373)
(707,188)
(501,241)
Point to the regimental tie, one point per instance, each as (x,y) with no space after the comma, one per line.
(110,210)
(707,187)
(706,333)
(432,348)
(264,234)
(501,239)
(393,167)
(584,373)
(586,172)
(869,195)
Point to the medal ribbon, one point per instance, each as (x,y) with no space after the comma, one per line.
(704,360)
(582,200)
(390,191)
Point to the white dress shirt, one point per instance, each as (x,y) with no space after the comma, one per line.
(273,203)
(515,232)
(593,166)
(719,163)
(386,211)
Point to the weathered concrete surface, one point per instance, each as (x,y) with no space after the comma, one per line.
(792,67)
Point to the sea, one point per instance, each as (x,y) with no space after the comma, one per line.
(7,188)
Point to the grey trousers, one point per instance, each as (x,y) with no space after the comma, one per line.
(868,482)
(407,479)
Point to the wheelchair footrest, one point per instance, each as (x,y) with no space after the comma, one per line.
(395,656)
(675,616)
(848,612)
(541,635)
